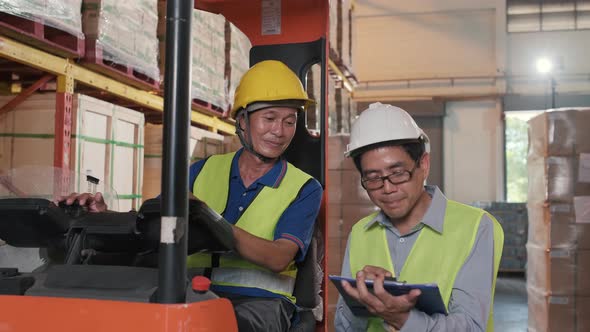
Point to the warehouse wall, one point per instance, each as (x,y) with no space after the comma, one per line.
(426,45)
(473,151)
(567,49)
(432,48)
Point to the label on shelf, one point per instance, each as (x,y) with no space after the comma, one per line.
(271,17)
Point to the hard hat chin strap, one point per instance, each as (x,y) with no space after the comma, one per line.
(247,143)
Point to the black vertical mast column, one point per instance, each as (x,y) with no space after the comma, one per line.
(177,108)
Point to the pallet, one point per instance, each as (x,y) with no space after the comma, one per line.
(42,36)
(204,106)
(95,59)
(210,109)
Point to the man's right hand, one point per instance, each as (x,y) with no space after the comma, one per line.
(94,203)
(394,310)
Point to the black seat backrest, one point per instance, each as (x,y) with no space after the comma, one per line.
(309,273)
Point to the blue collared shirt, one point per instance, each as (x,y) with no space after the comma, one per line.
(296,223)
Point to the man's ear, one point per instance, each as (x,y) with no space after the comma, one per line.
(241,120)
(425,164)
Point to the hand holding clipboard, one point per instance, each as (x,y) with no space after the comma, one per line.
(429,301)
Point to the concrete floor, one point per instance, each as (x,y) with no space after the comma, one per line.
(510,304)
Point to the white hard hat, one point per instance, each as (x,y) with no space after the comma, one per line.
(383,123)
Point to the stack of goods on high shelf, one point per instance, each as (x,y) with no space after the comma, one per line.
(237,57)
(106,143)
(342,110)
(121,40)
(345,34)
(341,33)
(209,86)
(333,33)
(202,144)
(348,202)
(558,248)
(514,220)
(314,89)
(333,124)
(54,25)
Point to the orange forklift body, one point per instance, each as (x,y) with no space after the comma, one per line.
(32,313)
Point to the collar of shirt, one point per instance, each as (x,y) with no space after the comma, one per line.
(433,218)
(272,178)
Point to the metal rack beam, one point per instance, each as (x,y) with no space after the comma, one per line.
(345,81)
(30,56)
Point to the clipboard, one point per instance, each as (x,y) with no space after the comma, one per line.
(429,301)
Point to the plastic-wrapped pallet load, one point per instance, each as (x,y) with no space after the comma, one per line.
(208,81)
(332,107)
(558,247)
(106,142)
(201,145)
(314,88)
(61,14)
(239,58)
(334,26)
(346,42)
(208,72)
(124,32)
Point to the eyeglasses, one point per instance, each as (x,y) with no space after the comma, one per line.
(395,178)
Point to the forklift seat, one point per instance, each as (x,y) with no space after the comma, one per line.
(308,286)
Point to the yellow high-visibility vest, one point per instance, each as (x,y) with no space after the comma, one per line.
(434,258)
(259,219)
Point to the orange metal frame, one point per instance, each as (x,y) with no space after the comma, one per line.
(301,21)
(31,313)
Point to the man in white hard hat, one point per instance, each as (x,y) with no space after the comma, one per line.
(417,236)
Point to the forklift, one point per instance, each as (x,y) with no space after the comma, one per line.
(126,271)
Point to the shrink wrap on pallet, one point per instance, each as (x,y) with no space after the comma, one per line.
(61,14)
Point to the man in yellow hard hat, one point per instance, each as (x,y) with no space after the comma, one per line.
(418,236)
(272,204)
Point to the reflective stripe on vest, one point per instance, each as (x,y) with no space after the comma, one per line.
(212,186)
(430,252)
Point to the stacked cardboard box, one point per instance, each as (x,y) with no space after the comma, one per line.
(124,32)
(332,107)
(237,63)
(202,144)
(208,72)
(61,14)
(106,142)
(345,34)
(208,80)
(333,33)
(348,202)
(558,247)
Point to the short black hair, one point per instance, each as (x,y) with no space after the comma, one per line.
(414,148)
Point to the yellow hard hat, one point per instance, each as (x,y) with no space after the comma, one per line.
(267,82)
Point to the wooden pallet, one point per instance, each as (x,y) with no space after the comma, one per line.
(211,109)
(42,36)
(95,58)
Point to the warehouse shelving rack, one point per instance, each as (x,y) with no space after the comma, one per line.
(67,72)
